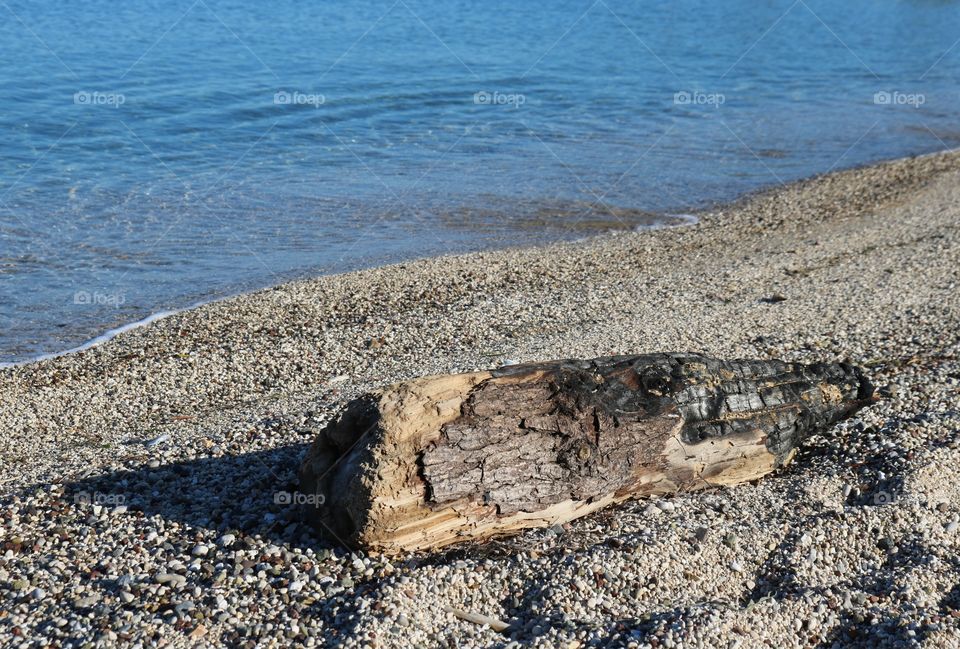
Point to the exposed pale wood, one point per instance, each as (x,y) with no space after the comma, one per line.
(443,459)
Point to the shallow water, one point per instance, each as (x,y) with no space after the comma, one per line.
(160,153)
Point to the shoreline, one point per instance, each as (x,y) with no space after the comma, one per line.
(311,274)
(168,444)
(691,218)
(113,332)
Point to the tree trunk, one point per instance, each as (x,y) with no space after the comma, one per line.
(438,460)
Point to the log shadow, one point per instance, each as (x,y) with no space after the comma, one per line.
(252,493)
(609,631)
(248,495)
(777,579)
(856,629)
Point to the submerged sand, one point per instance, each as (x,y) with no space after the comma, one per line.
(140,477)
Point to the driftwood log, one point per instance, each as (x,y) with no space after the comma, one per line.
(443,459)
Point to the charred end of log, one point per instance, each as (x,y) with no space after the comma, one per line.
(787,401)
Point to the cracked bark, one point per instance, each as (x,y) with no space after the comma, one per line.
(437,460)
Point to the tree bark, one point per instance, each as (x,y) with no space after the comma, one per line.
(438,460)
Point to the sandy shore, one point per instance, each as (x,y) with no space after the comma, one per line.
(139,478)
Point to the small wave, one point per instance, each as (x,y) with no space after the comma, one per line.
(99,340)
(670,220)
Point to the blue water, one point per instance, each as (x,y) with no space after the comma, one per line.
(149,162)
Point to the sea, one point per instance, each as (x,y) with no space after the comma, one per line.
(159,154)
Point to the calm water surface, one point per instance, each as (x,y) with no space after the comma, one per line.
(155,154)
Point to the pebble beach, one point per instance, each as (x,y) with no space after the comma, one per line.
(148,484)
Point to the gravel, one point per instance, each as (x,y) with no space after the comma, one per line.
(147,486)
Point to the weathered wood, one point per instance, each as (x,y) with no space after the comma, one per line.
(437,460)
